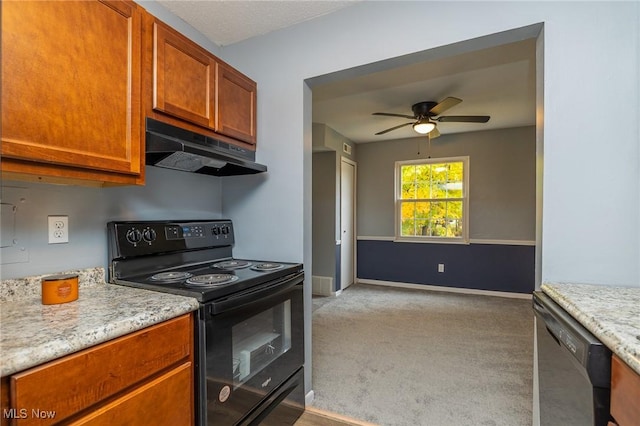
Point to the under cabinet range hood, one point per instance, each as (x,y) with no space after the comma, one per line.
(179,149)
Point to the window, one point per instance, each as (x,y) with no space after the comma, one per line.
(432,199)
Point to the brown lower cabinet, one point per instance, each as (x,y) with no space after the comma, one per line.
(625,393)
(145,377)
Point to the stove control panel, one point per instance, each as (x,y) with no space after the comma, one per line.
(184,232)
(130,239)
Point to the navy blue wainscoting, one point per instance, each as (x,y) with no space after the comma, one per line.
(496,267)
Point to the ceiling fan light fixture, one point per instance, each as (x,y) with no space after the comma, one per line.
(424,126)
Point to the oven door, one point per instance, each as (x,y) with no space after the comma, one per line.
(253,341)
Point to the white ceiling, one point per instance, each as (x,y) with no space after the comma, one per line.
(230,21)
(497,81)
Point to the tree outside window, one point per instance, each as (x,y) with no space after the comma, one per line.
(431,199)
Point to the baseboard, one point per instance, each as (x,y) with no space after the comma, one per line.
(445,289)
(322,286)
(309,397)
(536,383)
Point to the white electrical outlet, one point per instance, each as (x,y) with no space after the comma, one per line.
(440,267)
(58,229)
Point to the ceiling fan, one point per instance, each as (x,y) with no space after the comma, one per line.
(426,114)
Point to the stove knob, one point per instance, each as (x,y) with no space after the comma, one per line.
(134,236)
(225,229)
(216,231)
(149,235)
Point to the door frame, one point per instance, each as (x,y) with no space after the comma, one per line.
(354,221)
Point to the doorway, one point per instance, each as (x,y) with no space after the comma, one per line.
(337,95)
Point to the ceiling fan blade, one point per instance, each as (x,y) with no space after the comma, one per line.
(389,114)
(434,133)
(463,119)
(393,128)
(444,105)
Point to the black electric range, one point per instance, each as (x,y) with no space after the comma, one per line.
(249,328)
(189,258)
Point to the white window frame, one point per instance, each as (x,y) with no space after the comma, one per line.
(464,239)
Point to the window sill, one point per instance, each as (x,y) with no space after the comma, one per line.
(423,240)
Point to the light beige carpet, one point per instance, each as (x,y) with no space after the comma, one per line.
(396,357)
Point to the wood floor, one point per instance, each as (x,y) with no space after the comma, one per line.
(315,417)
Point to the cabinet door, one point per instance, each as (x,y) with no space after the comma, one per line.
(183,77)
(236,105)
(101,372)
(625,393)
(165,400)
(71,78)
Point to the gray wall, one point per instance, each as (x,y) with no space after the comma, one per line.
(326,163)
(168,194)
(577,72)
(502,181)
(325,205)
(325,138)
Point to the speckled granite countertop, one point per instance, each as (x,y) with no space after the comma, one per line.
(612,314)
(32,333)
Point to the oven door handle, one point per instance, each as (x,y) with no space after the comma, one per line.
(255,295)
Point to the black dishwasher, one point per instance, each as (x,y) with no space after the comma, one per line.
(574,369)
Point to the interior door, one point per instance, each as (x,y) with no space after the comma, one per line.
(347,222)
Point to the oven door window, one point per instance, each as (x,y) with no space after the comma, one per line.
(259,341)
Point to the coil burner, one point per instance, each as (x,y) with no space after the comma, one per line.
(170,277)
(265,266)
(211,280)
(231,264)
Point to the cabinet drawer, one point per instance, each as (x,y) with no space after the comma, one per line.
(80,380)
(162,401)
(625,393)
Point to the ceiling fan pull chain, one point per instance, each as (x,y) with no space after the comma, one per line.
(428,145)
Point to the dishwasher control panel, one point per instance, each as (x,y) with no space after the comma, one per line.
(571,343)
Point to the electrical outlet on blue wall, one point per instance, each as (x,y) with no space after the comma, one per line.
(58,229)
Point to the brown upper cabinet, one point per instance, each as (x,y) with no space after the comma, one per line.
(78,78)
(184,77)
(236,104)
(189,87)
(71,82)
